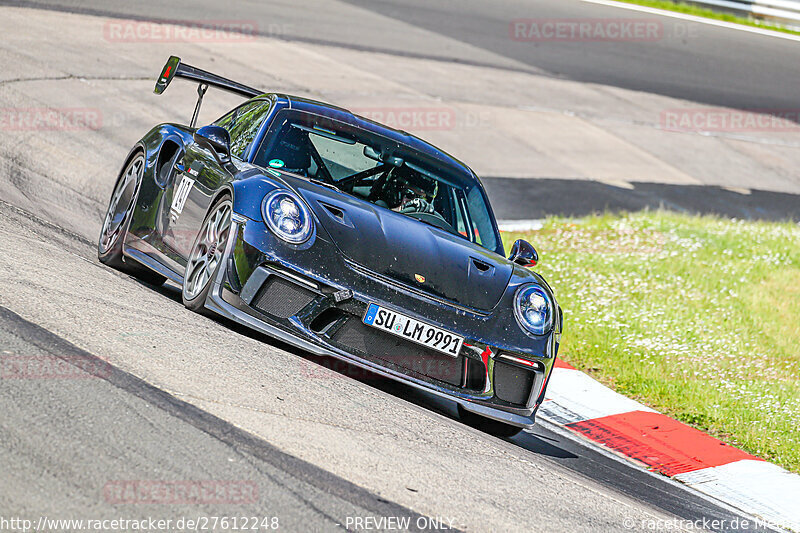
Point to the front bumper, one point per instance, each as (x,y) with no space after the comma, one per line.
(263,287)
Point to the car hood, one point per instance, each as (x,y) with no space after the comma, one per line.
(407,251)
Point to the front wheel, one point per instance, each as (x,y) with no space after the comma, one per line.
(487,425)
(115,224)
(206,256)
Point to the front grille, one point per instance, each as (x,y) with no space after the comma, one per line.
(512,384)
(281,298)
(356,336)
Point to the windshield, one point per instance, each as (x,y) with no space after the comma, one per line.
(381,171)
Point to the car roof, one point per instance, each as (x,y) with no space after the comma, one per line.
(411,141)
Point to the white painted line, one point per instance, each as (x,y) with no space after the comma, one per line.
(556,413)
(577,397)
(520,225)
(739,190)
(694,18)
(759,488)
(620,184)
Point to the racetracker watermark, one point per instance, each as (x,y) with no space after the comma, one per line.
(50,119)
(730,120)
(412,118)
(180,492)
(586,30)
(149,523)
(52,367)
(419,118)
(399,523)
(448,369)
(186,31)
(699,524)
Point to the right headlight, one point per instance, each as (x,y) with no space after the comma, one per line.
(533,309)
(287,216)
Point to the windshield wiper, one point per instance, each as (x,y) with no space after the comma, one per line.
(446,227)
(325,184)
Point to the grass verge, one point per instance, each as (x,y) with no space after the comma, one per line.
(697,317)
(688,9)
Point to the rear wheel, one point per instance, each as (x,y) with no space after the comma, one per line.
(206,256)
(115,224)
(487,425)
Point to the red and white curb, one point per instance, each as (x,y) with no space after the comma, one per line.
(582,405)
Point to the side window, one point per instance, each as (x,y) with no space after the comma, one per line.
(484,234)
(225,121)
(243,124)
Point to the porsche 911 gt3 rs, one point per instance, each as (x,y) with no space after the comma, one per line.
(343,237)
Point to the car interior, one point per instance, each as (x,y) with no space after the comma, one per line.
(367,172)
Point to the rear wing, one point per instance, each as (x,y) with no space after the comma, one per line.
(175,69)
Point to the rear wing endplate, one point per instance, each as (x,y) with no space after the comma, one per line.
(175,69)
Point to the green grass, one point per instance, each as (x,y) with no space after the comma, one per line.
(697,11)
(697,317)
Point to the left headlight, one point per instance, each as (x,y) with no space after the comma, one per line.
(533,309)
(287,216)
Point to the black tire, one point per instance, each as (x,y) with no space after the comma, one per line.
(115,224)
(487,425)
(205,259)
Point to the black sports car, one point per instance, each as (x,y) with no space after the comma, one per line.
(343,237)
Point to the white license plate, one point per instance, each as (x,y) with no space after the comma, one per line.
(413,330)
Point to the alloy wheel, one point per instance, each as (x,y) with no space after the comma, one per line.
(120,204)
(208,250)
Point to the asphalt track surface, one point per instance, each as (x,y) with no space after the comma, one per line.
(519,199)
(95,430)
(690,61)
(172,409)
(700,63)
(69,434)
(703,64)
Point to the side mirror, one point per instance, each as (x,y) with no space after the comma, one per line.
(523,253)
(216,139)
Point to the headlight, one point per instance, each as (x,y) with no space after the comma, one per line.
(287,216)
(533,309)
